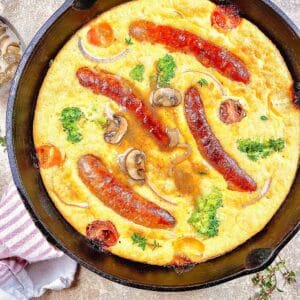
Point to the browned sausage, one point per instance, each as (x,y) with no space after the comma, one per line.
(121,198)
(117,88)
(210,147)
(208,53)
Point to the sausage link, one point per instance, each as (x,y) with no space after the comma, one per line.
(117,88)
(206,52)
(120,198)
(210,147)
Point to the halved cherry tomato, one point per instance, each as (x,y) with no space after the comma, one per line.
(49,156)
(102,232)
(179,260)
(101,35)
(225,17)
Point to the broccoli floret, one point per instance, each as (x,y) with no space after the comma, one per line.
(204,218)
(256,149)
(166,70)
(69,118)
(276,145)
(137,73)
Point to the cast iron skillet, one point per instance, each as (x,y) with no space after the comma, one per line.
(252,256)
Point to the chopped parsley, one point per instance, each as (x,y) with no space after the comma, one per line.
(264,118)
(154,245)
(202,82)
(142,242)
(129,41)
(69,118)
(137,73)
(204,218)
(3,142)
(166,70)
(139,240)
(256,149)
(202,173)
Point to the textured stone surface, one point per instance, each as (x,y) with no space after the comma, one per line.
(27,16)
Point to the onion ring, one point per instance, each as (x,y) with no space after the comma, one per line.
(265,189)
(179,159)
(80,204)
(90,56)
(217,82)
(157,194)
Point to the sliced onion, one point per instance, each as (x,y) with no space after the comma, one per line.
(179,13)
(179,159)
(216,81)
(90,56)
(108,111)
(80,204)
(121,160)
(173,135)
(159,195)
(265,189)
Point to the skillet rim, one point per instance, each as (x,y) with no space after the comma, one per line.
(44,228)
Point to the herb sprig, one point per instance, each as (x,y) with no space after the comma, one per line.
(128,41)
(202,82)
(141,242)
(268,280)
(202,173)
(264,118)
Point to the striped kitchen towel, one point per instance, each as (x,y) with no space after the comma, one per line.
(29,265)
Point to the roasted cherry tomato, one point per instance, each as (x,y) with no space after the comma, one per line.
(102,232)
(180,261)
(225,17)
(49,156)
(101,35)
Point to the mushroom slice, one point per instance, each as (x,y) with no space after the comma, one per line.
(5,41)
(11,70)
(115,129)
(165,97)
(135,164)
(13,54)
(132,162)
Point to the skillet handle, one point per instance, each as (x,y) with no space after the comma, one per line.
(82,4)
(259,259)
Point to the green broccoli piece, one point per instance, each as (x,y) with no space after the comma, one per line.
(276,145)
(69,118)
(204,218)
(137,73)
(166,70)
(256,149)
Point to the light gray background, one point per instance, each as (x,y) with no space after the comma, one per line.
(27,16)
